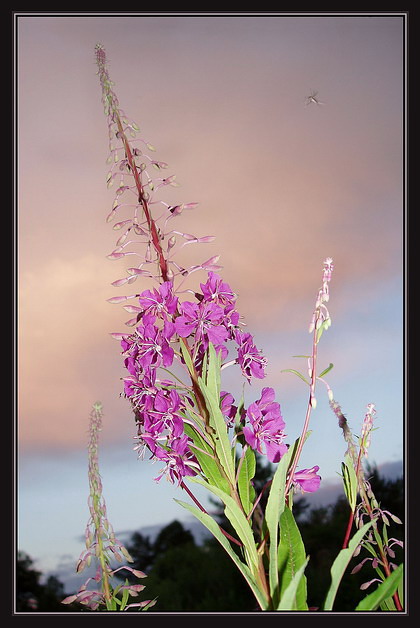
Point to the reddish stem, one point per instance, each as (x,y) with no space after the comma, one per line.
(151,223)
(348,530)
(195,500)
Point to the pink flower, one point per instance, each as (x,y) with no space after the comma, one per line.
(266,426)
(250,359)
(204,320)
(149,346)
(179,459)
(215,290)
(307,479)
(160,302)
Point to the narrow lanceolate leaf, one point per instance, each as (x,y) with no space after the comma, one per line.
(238,520)
(125,597)
(349,481)
(288,600)
(214,528)
(385,590)
(291,557)
(213,371)
(211,392)
(187,357)
(298,374)
(327,370)
(340,564)
(274,508)
(246,473)
(206,459)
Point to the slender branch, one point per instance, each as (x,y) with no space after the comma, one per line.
(195,500)
(308,413)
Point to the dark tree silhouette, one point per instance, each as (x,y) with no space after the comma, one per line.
(31,595)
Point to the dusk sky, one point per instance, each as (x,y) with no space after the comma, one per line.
(281,185)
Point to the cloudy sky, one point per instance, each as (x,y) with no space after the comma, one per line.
(280,184)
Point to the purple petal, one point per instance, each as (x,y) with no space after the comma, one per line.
(308,479)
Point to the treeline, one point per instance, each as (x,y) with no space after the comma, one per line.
(188,577)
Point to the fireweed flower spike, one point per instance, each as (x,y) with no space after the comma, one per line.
(162,323)
(320,321)
(101,543)
(376,543)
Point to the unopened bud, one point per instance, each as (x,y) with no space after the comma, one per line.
(126,554)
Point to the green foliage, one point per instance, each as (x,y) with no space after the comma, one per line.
(291,558)
(322,529)
(340,565)
(238,520)
(273,511)
(210,387)
(289,599)
(245,477)
(383,592)
(349,481)
(214,528)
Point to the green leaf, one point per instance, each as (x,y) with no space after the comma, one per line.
(327,370)
(212,379)
(125,597)
(296,373)
(340,564)
(187,357)
(237,518)
(274,508)
(214,528)
(207,461)
(211,392)
(401,591)
(291,557)
(349,481)
(288,600)
(385,590)
(246,473)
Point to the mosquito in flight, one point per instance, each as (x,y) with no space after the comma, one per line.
(312,99)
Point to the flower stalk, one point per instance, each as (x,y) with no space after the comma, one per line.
(101,543)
